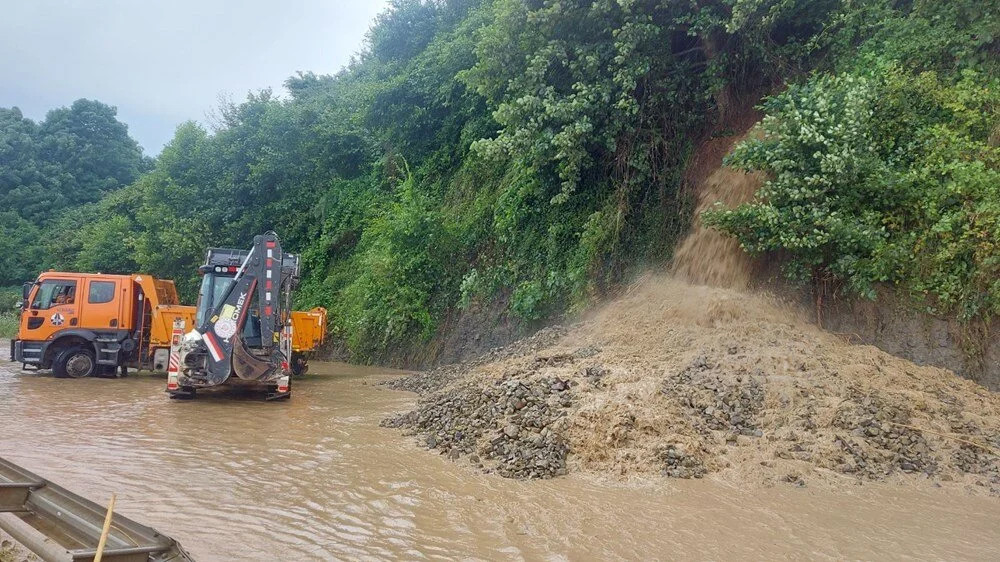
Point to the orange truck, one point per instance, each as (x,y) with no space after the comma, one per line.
(84,324)
(308,333)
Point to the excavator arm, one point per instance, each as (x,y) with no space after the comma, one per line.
(260,293)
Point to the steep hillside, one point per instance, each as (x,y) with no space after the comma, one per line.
(703,373)
(525,159)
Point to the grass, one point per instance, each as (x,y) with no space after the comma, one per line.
(8,324)
(8,315)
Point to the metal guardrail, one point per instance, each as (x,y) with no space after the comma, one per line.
(58,525)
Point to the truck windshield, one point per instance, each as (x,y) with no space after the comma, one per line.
(213,289)
(54,292)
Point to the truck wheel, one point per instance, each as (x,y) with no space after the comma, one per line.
(300,365)
(74,362)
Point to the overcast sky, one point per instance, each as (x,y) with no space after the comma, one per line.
(161,62)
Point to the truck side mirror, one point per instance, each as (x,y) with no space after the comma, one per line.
(25,293)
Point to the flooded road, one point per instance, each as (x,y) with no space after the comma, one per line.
(316,478)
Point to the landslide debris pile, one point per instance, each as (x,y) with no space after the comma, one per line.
(683,381)
(469,417)
(439,377)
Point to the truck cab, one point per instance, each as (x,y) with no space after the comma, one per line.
(81,324)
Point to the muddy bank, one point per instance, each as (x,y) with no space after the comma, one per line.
(463,335)
(684,381)
(896,327)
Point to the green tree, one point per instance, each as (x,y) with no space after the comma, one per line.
(76,156)
(92,148)
(21,255)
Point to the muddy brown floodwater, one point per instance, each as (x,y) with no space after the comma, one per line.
(317,478)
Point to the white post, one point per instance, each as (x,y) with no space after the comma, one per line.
(173,366)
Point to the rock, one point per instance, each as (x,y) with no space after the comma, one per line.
(586,352)
(511,430)
(678,463)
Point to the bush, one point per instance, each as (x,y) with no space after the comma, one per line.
(9,297)
(887,176)
(407,261)
(8,325)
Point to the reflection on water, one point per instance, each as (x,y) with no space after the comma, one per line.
(316,478)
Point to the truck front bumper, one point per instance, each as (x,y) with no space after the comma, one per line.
(26,352)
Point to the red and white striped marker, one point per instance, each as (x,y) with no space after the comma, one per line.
(213,346)
(173,366)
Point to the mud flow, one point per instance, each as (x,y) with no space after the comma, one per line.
(317,478)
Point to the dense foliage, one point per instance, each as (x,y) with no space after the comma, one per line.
(887,168)
(522,152)
(76,156)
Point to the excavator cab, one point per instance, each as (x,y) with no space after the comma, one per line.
(242,329)
(214,286)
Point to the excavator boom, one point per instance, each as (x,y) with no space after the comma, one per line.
(243,320)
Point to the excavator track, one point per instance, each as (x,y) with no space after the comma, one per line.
(58,525)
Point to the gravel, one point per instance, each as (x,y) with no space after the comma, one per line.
(511,427)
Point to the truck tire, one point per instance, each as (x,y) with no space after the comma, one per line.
(74,362)
(300,365)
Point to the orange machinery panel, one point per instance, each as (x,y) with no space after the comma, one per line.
(162,324)
(308,329)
